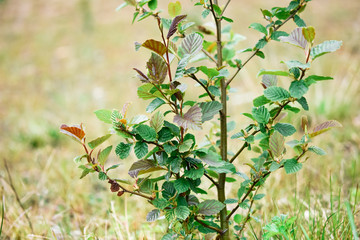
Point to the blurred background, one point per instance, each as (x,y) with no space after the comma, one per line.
(62,60)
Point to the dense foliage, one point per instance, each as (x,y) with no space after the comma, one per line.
(173,166)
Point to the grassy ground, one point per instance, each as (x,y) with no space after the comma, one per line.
(61,60)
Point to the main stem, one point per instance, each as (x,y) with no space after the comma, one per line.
(223,129)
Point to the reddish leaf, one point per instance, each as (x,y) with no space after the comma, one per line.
(174,24)
(191,119)
(323,127)
(142,76)
(155,46)
(296,38)
(75,131)
(157,68)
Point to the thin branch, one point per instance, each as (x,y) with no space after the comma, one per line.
(208,55)
(211,179)
(242,148)
(257,50)
(203,86)
(17,196)
(248,215)
(226,5)
(241,67)
(208,226)
(254,184)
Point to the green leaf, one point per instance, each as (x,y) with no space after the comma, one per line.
(104,154)
(155,104)
(303,102)
(157,121)
(226,167)
(317,150)
(259,27)
(191,119)
(309,34)
(240,192)
(273,72)
(152,4)
(123,150)
(153,215)
(323,127)
(104,115)
(210,109)
(140,149)
(94,143)
(170,236)
(275,35)
(217,9)
(325,47)
(230,201)
(192,44)
(113,167)
(277,144)
(168,190)
(299,22)
(276,94)
(143,166)
(186,146)
(165,135)
(210,207)
(181,67)
(261,43)
(292,166)
(261,114)
(102,176)
(298,89)
(147,133)
(261,100)
(258,196)
(297,64)
(143,92)
(212,159)
(285,129)
(194,173)
(181,185)
(160,203)
(318,78)
(182,212)
(174,9)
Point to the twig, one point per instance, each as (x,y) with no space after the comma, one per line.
(208,226)
(242,148)
(226,5)
(208,55)
(203,86)
(211,179)
(17,196)
(257,50)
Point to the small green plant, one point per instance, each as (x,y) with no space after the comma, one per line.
(174,169)
(280,227)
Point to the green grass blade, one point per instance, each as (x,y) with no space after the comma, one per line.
(2,214)
(351,221)
(304,231)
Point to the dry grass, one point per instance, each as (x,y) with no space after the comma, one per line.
(61,60)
